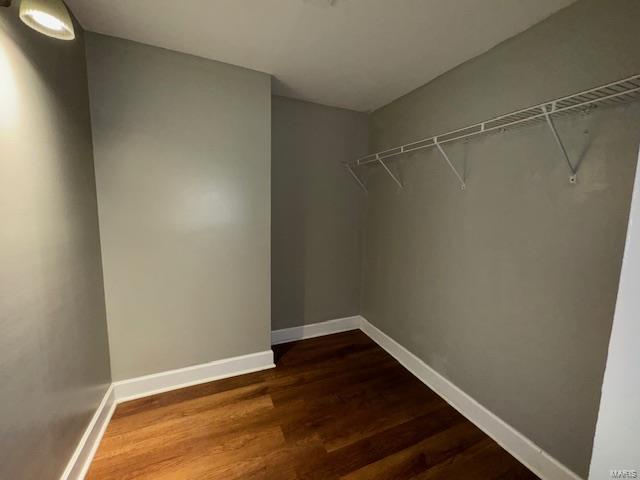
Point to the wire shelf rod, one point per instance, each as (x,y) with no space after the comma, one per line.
(626,90)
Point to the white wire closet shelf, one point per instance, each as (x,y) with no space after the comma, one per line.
(621,91)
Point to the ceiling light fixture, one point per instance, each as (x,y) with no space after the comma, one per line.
(49,17)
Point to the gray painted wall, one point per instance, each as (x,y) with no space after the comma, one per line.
(182,148)
(317,213)
(508,288)
(54,359)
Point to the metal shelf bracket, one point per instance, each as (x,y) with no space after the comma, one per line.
(357,179)
(463,184)
(548,110)
(395,179)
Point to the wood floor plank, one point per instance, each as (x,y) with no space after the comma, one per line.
(335,408)
(421,456)
(484,460)
(177,429)
(229,400)
(376,447)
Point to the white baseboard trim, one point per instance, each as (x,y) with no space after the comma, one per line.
(528,453)
(80,461)
(315,330)
(131,389)
(139,387)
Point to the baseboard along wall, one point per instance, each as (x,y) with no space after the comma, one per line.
(514,442)
(79,463)
(131,389)
(315,330)
(139,387)
(527,452)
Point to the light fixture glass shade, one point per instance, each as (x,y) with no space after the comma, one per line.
(49,17)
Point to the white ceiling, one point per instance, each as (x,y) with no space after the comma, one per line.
(357,54)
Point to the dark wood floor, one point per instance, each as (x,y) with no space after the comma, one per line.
(336,407)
